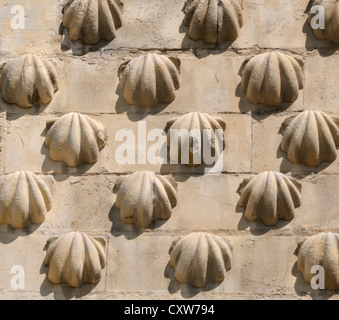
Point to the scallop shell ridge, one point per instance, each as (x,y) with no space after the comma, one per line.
(144,197)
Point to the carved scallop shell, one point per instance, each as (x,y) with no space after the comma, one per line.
(194,122)
(144,197)
(92,20)
(214,21)
(28,80)
(312,137)
(321,250)
(331,31)
(200,258)
(75,138)
(272,78)
(75,258)
(270,196)
(24,199)
(150,79)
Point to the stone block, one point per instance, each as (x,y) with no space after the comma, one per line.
(251,274)
(321,76)
(28,151)
(278,24)
(137,274)
(41,27)
(30,251)
(202,208)
(81,204)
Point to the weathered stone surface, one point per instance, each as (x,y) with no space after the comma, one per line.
(41,27)
(318,210)
(81,199)
(321,75)
(132,249)
(201,208)
(279,24)
(271,276)
(29,255)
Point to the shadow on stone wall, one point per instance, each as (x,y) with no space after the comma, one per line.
(257,227)
(129,231)
(136,113)
(246,106)
(187,291)
(12,233)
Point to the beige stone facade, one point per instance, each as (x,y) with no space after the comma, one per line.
(137,264)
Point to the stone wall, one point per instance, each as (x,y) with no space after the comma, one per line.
(137,266)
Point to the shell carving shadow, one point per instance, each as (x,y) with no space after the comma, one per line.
(74,259)
(150,79)
(321,250)
(75,138)
(28,80)
(190,128)
(331,30)
(272,78)
(311,138)
(200,258)
(24,199)
(270,196)
(144,197)
(214,21)
(92,20)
